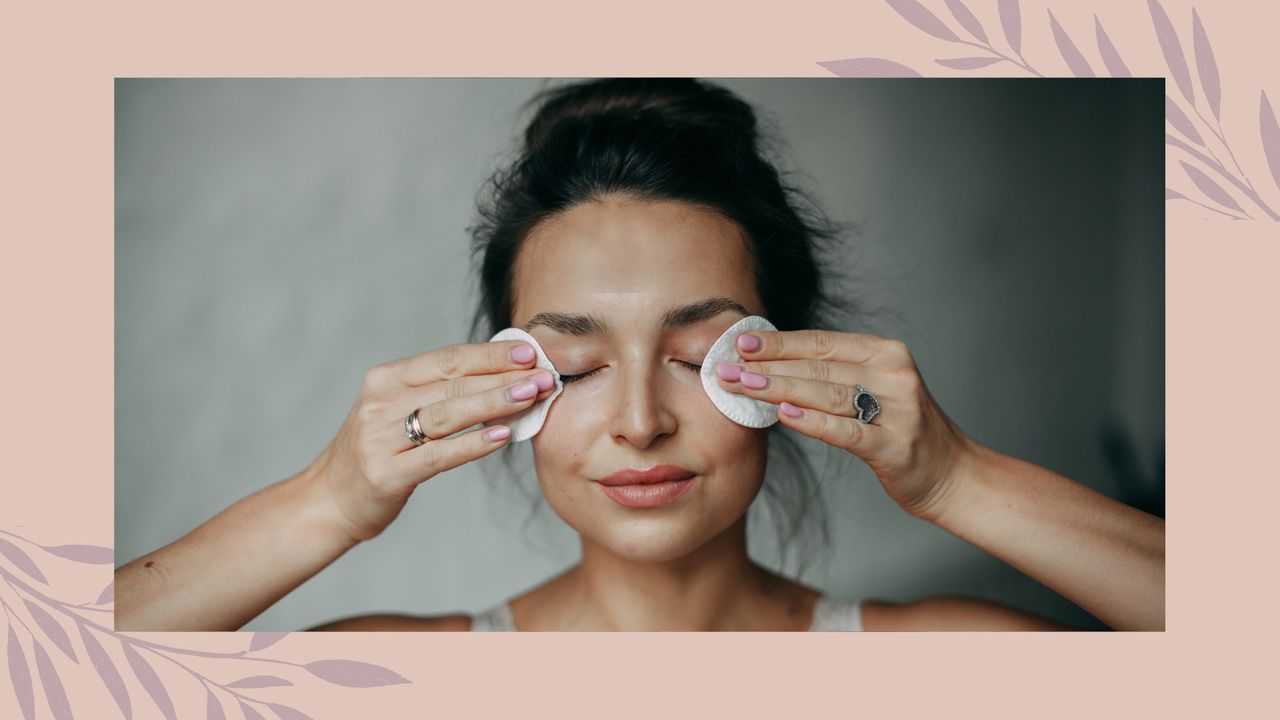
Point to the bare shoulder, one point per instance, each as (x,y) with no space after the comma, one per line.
(391,622)
(949,612)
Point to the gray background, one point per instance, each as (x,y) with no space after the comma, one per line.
(275,238)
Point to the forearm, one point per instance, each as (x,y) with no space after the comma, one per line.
(1101,554)
(227,571)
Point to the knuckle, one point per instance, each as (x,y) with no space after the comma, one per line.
(852,433)
(839,398)
(898,348)
(454,389)
(438,415)
(370,411)
(449,360)
(377,377)
(819,370)
(824,343)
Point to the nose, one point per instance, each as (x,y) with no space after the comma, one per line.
(642,398)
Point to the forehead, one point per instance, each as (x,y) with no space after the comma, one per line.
(620,256)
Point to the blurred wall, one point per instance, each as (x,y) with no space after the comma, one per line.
(275,238)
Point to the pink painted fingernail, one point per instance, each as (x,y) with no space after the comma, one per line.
(522,354)
(728,372)
(791,410)
(523,391)
(544,381)
(753,380)
(497,432)
(749,343)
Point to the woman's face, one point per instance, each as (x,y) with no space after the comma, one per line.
(597,282)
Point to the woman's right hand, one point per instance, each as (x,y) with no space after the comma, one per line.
(370,468)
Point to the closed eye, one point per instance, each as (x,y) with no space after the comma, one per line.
(567,379)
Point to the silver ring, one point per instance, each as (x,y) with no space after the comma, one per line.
(412,430)
(866,404)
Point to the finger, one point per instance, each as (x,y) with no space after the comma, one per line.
(441,419)
(866,440)
(462,359)
(458,387)
(811,369)
(798,344)
(834,398)
(436,456)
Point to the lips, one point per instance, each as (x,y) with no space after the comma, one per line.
(655,474)
(650,488)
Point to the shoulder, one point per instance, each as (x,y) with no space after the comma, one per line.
(390,622)
(949,612)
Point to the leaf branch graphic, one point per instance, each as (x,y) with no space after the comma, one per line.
(43,628)
(1192,141)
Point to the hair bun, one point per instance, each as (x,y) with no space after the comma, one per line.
(674,101)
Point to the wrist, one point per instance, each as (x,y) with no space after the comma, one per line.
(324,508)
(949,491)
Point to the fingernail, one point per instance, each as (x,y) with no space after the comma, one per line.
(791,410)
(497,432)
(749,343)
(754,380)
(728,372)
(522,353)
(523,391)
(544,381)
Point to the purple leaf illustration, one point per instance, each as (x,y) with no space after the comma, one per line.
(52,629)
(107,671)
(21,560)
(1270,136)
(1171,194)
(20,676)
(350,673)
(967,63)
(53,691)
(918,15)
(249,712)
(1204,159)
(966,19)
(287,713)
(1110,57)
(91,554)
(213,708)
(150,682)
(1172,50)
(1209,187)
(1206,65)
(1179,120)
(107,595)
(1011,21)
(868,67)
(1075,61)
(263,640)
(259,681)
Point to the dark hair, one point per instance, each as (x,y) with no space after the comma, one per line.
(671,139)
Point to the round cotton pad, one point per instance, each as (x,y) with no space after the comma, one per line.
(739,408)
(527,422)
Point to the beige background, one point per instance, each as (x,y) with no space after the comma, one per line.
(57,312)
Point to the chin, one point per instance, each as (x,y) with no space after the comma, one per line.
(650,539)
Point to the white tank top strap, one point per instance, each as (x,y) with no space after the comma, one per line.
(494,619)
(830,614)
(833,614)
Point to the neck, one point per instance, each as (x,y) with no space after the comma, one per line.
(716,587)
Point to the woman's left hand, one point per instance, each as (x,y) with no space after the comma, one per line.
(916,451)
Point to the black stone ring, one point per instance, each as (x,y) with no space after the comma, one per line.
(866,404)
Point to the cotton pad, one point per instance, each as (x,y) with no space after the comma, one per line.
(526,423)
(739,408)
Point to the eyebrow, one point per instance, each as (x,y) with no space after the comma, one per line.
(674,317)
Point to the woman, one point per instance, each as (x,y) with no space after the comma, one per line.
(640,222)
